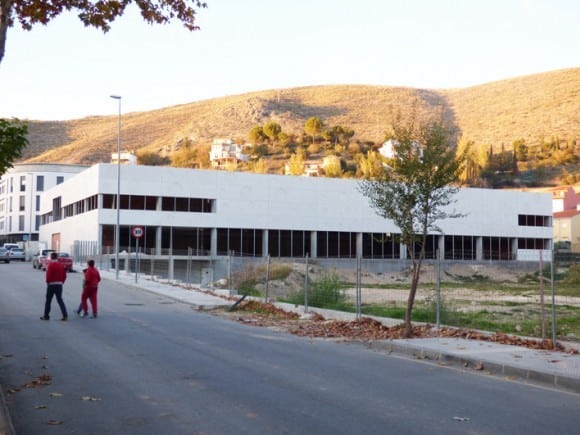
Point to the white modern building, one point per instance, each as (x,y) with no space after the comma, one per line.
(215,213)
(20,190)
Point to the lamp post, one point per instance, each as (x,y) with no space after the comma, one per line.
(117,225)
(30,214)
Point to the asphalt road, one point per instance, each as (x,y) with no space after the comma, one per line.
(150,365)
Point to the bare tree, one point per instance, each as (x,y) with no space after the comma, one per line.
(415,188)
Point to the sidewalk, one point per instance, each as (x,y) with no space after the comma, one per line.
(552,369)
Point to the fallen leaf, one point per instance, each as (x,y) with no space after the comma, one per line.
(55,394)
(40,407)
(54,422)
(89,398)
(461,418)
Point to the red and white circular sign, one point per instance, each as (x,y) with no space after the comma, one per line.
(137,232)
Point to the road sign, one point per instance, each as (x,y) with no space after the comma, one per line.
(137,232)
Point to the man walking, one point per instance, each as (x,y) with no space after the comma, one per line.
(55,278)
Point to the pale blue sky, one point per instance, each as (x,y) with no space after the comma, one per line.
(65,71)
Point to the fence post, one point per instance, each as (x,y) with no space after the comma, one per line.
(542,305)
(553,300)
(306,286)
(438,292)
(268,278)
(358,287)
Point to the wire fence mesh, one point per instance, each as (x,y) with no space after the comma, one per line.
(539,300)
(536,299)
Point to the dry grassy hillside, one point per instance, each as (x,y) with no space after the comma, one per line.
(530,107)
(525,107)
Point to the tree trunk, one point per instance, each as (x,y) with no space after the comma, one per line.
(411,299)
(5,8)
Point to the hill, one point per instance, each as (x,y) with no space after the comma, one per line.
(532,107)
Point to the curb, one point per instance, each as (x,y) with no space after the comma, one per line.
(483,366)
(6,427)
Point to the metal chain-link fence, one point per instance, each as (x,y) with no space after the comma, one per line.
(536,299)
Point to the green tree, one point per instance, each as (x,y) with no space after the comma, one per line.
(189,156)
(370,166)
(98,14)
(313,127)
(332,167)
(471,171)
(416,190)
(296,163)
(520,150)
(12,141)
(272,130)
(257,135)
(149,158)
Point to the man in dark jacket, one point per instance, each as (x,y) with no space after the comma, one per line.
(55,278)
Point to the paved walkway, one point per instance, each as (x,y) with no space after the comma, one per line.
(553,369)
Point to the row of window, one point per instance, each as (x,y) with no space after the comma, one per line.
(129,202)
(329,244)
(525,220)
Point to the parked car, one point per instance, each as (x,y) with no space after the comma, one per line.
(4,255)
(39,258)
(63,257)
(17,254)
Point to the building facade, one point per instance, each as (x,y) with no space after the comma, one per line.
(20,190)
(218,213)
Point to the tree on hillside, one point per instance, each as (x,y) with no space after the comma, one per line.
(149,158)
(99,14)
(12,141)
(370,166)
(272,130)
(416,189)
(257,135)
(471,171)
(313,127)
(296,164)
(332,166)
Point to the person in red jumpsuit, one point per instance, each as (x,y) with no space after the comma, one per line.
(90,288)
(55,278)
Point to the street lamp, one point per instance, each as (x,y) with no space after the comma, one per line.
(117,227)
(30,214)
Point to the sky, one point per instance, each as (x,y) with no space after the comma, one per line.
(65,71)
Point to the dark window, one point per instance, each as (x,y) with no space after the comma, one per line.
(125,201)
(40,183)
(181,204)
(59,179)
(168,203)
(109,201)
(150,203)
(137,202)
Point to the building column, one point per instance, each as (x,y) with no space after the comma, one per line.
(479,248)
(313,244)
(403,250)
(441,246)
(265,243)
(213,242)
(359,245)
(158,241)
